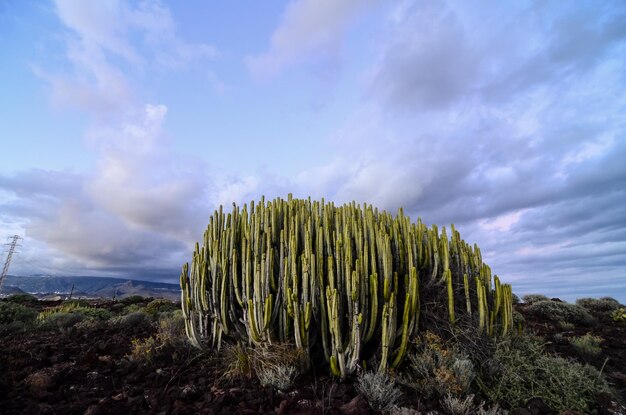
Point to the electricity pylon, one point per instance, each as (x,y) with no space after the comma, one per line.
(12,245)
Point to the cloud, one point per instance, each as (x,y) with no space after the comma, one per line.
(108,41)
(310,30)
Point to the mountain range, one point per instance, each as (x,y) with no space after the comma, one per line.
(46,286)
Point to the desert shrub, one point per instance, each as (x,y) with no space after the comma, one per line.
(274,365)
(169,343)
(133,308)
(561,312)
(457,406)
(587,345)
(489,410)
(279,376)
(436,369)
(599,305)
(158,306)
(63,321)
(90,324)
(132,299)
(566,325)
(65,316)
(533,298)
(15,317)
(134,322)
(379,389)
(22,299)
(524,370)
(619,315)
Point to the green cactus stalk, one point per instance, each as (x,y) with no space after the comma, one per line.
(330,277)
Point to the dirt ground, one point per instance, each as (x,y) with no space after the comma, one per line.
(89,372)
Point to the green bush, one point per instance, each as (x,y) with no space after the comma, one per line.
(619,315)
(533,298)
(62,320)
(599,305)
(132,299)
(587,345)
(561,312)
(524,370)
(22,299)
(159,306)
(136,321)
(15,317)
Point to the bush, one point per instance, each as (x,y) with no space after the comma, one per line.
(276,365)
(63,321)
(435,369)
(379,389)
(533,298)
(134,322)
(599,305)
(524,370)
(132,299)
(561,312)
(587,345)
(159,306)
(169,343)
(22,299)
(457,406)
(15,317)
(619,315)
(66,315)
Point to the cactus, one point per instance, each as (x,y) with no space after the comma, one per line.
(333,278)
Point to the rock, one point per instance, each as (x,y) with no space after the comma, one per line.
(519,411)
(94,410)
(358,405)
(41,381)
(536,406)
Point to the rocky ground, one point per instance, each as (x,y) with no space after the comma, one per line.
(88,371)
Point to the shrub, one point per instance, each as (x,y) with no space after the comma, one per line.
(65,316)
(22,299)
(524,370)
(561,312)
(457,406)
(15,317)
(169,343)
(379,389)
(274,365)
(619,315)
(134,322)
(435,369)
(160,305)
(599,305)
(533,298)
(63,321)
(587,345)
(132,299)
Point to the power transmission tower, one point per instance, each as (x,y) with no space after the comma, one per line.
(12,245)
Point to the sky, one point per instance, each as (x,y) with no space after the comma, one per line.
(124,124)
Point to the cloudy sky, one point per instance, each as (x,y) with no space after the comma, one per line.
(124,124)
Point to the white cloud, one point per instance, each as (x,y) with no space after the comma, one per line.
(309,30)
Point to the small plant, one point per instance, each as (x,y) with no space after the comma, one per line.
(134,322)
(587,345)
(619,315)
(379,390)
(279,376)
(457,406)
(143,350)
(534,298)
(436,369)
(561,312)
(132,299)
(566,325)
(493,410)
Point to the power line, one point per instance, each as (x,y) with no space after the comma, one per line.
(12,245)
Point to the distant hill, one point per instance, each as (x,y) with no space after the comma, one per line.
(104,287)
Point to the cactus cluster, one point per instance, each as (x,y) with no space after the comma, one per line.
(348,282)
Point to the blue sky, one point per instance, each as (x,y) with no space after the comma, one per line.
(124,124)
